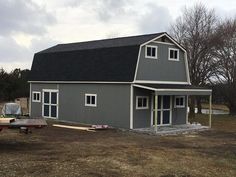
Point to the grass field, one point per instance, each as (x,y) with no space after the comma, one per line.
(64,152)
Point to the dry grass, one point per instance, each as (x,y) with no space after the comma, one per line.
(215,106)
(59,152)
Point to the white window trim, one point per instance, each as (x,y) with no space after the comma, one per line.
(90,105)
(173,59)
(137,97)
(180,106)
(36,101)
(152,46)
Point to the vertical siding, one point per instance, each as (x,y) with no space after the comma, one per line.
(161,69)
(113,103)
(141,117)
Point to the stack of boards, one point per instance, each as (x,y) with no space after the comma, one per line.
(7,120)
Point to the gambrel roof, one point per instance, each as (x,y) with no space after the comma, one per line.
(109,60)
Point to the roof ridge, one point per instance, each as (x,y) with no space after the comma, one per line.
(106,39)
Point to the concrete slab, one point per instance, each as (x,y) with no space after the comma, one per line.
(172,130)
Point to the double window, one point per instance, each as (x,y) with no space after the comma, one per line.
(173,54)
(91,100)
(36,96)
(141,102)
(151,51)
(179,101)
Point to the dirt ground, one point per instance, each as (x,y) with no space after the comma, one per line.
(60,152)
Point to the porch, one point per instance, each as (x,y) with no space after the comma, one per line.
(168,108)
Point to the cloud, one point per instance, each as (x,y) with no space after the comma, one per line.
(155,19)
(23,16)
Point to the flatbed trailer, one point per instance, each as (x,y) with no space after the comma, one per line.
(24,125)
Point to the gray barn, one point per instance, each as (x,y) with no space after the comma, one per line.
(129,82)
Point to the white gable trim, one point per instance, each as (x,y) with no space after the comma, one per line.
(78,82)
(160,82)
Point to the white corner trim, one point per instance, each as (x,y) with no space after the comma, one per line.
(30,100)
(90,95)
(187,109)
(137,64)
(173,59)
(131,106)
(147,104)
(151,46)
(186,67)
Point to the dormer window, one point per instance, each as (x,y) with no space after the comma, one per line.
(151,52)
(173,54)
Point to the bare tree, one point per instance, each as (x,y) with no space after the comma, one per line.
(195,30)
(226,55)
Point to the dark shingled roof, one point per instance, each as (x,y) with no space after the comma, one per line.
(109,60)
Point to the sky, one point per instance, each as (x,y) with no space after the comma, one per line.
(29,26)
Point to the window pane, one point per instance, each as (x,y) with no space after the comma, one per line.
(153,52)
(34,96)
(171,54)
(166,117)
(46,110)
(149,51)
(159,102)
(139,102)
(144,102)
(46,97)
(88,100)
(176,54)
(181,101)
(53,111)
(93,100)
(53,97)
(166,102)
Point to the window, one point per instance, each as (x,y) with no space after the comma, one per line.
(151,52)
(141,102)
(36,96)
(179,101)
(91,100)
(173,54)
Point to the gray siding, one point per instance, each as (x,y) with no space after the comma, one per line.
(141,117)
(161,69)
(113,103)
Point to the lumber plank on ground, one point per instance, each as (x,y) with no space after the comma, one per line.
(6,120)
(75,127)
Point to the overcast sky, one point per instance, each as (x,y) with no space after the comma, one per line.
(28,26)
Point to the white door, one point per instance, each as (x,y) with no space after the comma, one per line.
(164,110)
(50,104)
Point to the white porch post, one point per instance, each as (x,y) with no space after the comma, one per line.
(210,109)
(155,110)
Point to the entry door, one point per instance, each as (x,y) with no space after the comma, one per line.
(50,103)
(164,110)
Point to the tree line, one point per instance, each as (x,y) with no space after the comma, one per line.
(210,43)
(14,84)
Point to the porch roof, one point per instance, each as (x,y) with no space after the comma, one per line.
(175,89)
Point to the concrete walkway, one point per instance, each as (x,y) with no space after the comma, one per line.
(172,130)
